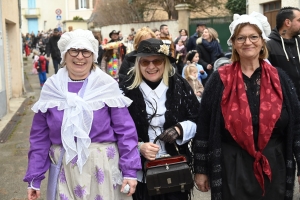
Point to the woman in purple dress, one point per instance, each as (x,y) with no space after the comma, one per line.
(82,114)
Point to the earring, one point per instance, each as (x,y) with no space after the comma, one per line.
(262,50)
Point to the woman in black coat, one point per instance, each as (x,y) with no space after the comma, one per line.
(164,106)
(209,50)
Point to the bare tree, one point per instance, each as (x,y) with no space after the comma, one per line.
(109,12)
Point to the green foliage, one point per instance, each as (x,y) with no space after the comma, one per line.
(77,18)
(236,6)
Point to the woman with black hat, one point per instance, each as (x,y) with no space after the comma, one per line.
(164,105)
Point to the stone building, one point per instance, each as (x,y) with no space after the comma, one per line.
(40,15)
(270,8)
(11,66)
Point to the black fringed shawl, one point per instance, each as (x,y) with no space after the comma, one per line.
(207,143)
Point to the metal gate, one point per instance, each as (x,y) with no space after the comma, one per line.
(220,24)
(8,66)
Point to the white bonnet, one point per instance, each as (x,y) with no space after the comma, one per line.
(254,18)
(78,39)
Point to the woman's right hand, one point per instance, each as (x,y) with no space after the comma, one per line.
(33,194)
(149,150)
(202,183)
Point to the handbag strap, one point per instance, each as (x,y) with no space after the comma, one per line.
(176,147)
(61,156)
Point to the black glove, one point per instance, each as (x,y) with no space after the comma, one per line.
(169,135)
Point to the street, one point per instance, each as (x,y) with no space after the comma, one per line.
(13,159)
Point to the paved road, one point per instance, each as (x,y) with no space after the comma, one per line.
(13,159)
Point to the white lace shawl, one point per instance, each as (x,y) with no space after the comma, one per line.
(100,89)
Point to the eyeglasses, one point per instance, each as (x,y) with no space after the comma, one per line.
(155,62)
(242,39)
(85,53)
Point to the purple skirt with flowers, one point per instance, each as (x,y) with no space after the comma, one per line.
(101,178)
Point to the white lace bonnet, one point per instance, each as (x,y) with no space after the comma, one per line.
(256,18)
(78,39)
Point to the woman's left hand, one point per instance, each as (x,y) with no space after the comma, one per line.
(170,134)
(132,184)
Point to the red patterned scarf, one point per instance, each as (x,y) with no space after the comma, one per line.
(237,115)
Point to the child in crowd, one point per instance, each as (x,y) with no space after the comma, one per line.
(111,60)
(193,57)
(26,49)
(180,55)
(40,66)
(35,58)
(191,75)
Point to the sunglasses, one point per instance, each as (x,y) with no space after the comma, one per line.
(85,53)
(156,62)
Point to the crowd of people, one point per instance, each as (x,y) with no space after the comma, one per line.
(235,119)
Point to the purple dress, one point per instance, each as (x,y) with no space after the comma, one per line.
(110,125)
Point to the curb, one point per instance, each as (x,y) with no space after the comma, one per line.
(10,126)
(16,118)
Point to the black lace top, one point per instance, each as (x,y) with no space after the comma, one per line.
(252,87)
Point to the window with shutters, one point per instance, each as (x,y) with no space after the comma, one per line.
(82,4)
(270,11)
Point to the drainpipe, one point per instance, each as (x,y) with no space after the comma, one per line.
(21,45)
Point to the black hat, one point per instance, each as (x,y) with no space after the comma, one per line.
(153,47)
(201,24)
(113,32)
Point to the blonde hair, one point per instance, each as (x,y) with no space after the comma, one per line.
(35,52)
(213,33)
(190,67)
(263,53)
(145,31)
(138,77)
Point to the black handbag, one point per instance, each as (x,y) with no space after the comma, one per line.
(168,174)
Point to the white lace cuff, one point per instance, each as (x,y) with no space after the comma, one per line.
(130,178)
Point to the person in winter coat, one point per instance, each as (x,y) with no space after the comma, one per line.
(283,47)
(193,57)
(249,141)
(180,52)
(183,36)
(40,66)
(191,44)
(191,75)
(164,105)
(52,48)
(209,50)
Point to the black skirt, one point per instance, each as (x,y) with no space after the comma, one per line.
(238,177)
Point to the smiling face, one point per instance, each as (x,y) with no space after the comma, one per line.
(196,58)
(78,67)
(154,70)
(248,49)
(206,35)
(183,33)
